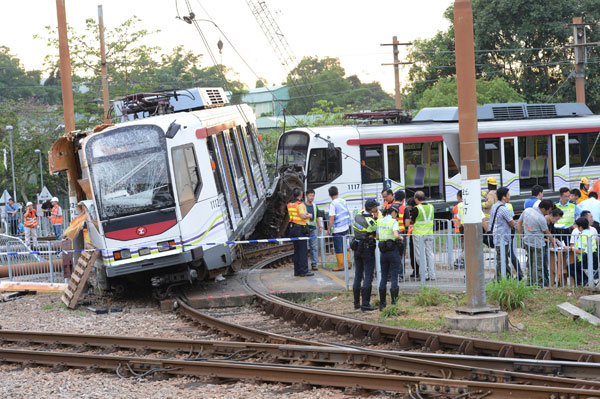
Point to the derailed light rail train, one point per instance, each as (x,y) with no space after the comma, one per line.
(184,169)
(521,145)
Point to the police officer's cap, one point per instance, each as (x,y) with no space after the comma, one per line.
(395,207)
(371,203)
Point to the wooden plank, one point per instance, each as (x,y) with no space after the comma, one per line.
(13,286)
(68,293)
(76,278)
(573,311)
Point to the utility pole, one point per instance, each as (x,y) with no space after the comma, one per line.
(469,159)
(65,67)
(103,64)
(395,43)
(580,46)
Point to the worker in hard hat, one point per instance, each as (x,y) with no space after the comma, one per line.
(490,198)
(584,189)
(56,218)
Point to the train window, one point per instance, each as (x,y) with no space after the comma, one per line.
(324,166)
(561,156)
(593,148)
(575,150)
(372,161)
(292,149)
(235,154)
(187,177)
(393,163)
(489,155)
(239,138)
(452,168)
(509,156)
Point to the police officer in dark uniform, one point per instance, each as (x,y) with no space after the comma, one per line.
(364,227)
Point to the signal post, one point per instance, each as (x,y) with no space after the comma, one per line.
(477,314)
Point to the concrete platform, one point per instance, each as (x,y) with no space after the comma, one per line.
(232,292)
(591,302)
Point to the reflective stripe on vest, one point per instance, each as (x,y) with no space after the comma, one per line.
(310,221)
(385,228)
(342,216)
(584,243)
(424,222)
(55,217)
(458,211)
(510,209)
(294,212)
(400,219)
(364,223)
(30,219)
(568,218)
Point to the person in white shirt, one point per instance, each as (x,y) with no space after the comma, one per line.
(339,226)
(576,232)
(591,204)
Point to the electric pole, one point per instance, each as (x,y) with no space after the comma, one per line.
(580,46)
(103,64)
(396,65)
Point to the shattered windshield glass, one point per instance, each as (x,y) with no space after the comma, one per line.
(129,171)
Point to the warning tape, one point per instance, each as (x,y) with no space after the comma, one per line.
(135,249)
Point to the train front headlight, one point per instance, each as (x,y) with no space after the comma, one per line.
(122,254)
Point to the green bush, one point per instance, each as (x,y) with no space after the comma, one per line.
(509,293)
(429,297)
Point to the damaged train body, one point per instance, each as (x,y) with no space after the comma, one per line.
(183,170)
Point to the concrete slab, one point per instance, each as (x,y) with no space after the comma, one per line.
(281,281)
(487,322)
(573,311)
(591,302)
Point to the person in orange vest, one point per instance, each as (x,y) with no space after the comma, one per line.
(298,227)
(403,218)
(584,189)
(457,216)
(56,218)
(30,222)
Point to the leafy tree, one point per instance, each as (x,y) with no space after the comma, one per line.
(443,93)
(521,41)
(315,79)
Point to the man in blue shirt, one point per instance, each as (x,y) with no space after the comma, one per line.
(12,215)
(537,193)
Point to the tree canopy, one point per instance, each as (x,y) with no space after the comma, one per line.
(521,41)
(314,80)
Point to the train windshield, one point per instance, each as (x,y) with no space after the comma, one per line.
(128,167)
(292,149)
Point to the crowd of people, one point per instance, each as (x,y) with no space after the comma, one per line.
(564,225)
(26,222)
(398,225)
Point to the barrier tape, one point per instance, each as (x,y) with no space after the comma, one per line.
(132,249)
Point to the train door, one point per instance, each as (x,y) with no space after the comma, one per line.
(452,178)
(226,167)
(422,169)
(535,168)
(393,167)
(371,157)
(509,172)
(560,161)
(490,160)
(219,176)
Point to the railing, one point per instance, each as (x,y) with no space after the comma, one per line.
(19,262)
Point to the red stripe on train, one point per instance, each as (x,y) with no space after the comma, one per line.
(143,231)
(516,133)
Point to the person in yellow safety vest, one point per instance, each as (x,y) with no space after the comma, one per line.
(457,220)
(339,226)
(565,224)
(584,189)
(578,269)
(363,245)
(490,197)
(315,228)
(56,218)
(30,222)
(389,260)
(298,228)
(422,217)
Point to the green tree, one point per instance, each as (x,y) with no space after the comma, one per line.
(315,79)
(443,93)
(521,41)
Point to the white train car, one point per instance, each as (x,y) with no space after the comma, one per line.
(521,145)
(159,188)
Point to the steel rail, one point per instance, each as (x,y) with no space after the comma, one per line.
(331,356)
(405,337)
(291,374)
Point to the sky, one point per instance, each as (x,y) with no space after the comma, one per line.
(351,30)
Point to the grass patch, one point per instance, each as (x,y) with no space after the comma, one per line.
(394,311)
(47,306)
(509,293)
(430,296)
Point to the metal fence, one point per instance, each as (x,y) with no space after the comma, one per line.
(44,228)
(19,262)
